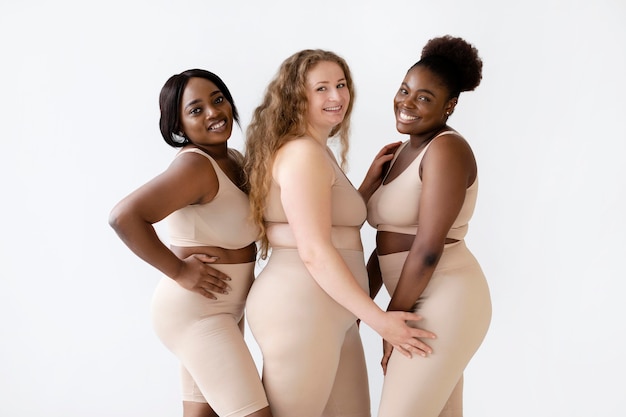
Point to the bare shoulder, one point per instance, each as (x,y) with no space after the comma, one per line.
(302,156)
(450,145)
(194,172)
(302,150)
(193,160)
(450,153)
(301,144)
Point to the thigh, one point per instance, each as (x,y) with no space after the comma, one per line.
(300,331)
(206,337)
(455,306)
(350,393)
(216,357)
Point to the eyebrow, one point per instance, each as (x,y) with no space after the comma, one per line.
(198,100)
(328,82)
(423,90)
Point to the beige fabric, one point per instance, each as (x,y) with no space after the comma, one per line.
(312,352)
(224,221)
(394,206)
(313,361)
(456,306)
(205,336)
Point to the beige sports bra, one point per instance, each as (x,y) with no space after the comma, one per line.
(394,206)
(348,214)
(223,222)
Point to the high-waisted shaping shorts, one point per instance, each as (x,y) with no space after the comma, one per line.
(456,306)
(313,359)
(204,334)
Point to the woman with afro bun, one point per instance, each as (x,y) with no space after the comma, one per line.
(421,205)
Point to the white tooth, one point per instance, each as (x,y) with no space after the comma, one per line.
(218,125)
(405,116)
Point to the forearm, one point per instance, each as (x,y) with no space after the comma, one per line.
(374,275)
(333,275)
(143,241)
(413,280)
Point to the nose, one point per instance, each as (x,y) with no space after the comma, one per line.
(210,112)
(406,101)
(334,94)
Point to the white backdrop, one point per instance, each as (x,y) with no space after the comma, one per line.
(78,105)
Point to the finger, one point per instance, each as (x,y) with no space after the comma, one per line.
(386,355)
(206,258)
(221,287)
(417,332)
(218,282)
(206,293)
(424,348)
(410,316)
(383,364)
(403,351)
(418,351)
(421,333)
(215,273)
(391,147)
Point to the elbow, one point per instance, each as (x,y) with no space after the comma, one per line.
(427,254)
(117,218)
(430,259)
(307,256)
(311,256)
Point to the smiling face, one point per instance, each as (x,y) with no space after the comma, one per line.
(206,116)
(328,96)
(422,104)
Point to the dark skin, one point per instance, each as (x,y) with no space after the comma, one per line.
(422,106)
(206,119)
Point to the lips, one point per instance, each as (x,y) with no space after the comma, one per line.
(405,117)
(336,108)
(217,125)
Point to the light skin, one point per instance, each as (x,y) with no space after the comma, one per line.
(207,120)
(305,174)
(422,106)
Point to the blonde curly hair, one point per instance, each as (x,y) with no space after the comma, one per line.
(281,117)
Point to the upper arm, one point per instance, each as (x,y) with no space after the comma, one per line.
(446,170)
(189,179)
(305,176)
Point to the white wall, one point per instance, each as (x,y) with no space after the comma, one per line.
(78,104)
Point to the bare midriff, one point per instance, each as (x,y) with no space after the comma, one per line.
(392,242)
(225,256)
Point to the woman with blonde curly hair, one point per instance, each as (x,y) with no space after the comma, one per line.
(304,305)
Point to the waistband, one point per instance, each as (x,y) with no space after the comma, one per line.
(457,233)
(455,255)
(342,237)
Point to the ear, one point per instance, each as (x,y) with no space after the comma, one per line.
(451,105)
